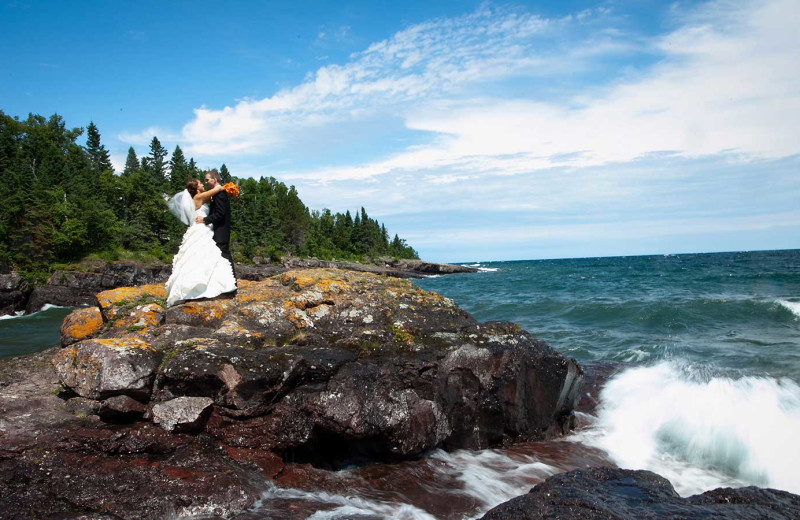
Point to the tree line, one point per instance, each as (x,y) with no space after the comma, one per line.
(63,202)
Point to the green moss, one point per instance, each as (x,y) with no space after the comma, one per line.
(398,333)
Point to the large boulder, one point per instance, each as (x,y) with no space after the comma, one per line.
(14,292)
(326,365)
(621,494)
(102,368)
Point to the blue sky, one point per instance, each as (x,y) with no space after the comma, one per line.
(476,130)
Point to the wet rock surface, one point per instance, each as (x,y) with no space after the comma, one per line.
(195,406)
(619,494)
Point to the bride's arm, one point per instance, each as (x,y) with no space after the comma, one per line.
(202,197)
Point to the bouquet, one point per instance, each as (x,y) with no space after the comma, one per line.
(231,189)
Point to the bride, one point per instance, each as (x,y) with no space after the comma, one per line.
(198,268)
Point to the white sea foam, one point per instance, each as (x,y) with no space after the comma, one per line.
(701,434)
(347,505)
(792,306)
(492,476)
(21,314)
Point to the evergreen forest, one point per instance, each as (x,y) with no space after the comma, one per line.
(64,203)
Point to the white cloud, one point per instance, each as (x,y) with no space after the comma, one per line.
(429,59)
(732,89)
(505,125)
(145,136)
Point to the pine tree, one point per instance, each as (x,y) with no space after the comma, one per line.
(179,171)
(224,174)
(155,165)
(98,155)
(131,163)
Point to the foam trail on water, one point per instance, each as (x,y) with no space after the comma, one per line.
(493,477)
(489,477)
(701,434)
(347,505)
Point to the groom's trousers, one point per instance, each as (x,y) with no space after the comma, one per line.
(226,254)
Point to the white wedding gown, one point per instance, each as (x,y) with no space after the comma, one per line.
(198,269)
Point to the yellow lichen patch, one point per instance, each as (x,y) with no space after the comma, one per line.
(297,280)
(124,343)
(80,324)
(208,312)
(197,343)
(231,328)
(114,296)
(333,286)
(110,300)
(259,291)
(141,319)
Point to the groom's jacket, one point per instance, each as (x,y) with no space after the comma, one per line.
(219,214)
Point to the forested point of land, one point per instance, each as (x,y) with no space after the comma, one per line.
(63,203)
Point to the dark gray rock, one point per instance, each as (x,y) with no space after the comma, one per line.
(121,408)
(14,292)
(620,494)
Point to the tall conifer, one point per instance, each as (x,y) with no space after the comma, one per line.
(98,155)
(131,162)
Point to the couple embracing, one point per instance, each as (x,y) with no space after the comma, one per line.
(202,267)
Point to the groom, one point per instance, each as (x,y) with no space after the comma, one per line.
(219,214)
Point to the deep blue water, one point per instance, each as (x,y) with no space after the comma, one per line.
(27,334)
(726,313)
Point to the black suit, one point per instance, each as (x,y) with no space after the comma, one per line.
(219,215)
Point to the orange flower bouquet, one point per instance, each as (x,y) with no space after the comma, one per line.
(231,189)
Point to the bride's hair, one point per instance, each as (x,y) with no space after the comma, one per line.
(191,186)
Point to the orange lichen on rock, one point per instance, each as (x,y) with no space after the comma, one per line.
(142,319)
(110,300)
(80,324)
(125,343)
(233,329)
(202,313)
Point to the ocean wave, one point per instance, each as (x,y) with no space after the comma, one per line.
(479,266)
(793,307)
(701,432)
(22,315)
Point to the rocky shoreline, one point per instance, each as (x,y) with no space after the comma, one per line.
(147,412)
(78,288)
(196,411)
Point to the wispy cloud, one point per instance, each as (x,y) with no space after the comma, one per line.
(435,59)
(145,136)
(509,111)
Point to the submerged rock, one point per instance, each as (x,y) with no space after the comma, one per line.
(621,494)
